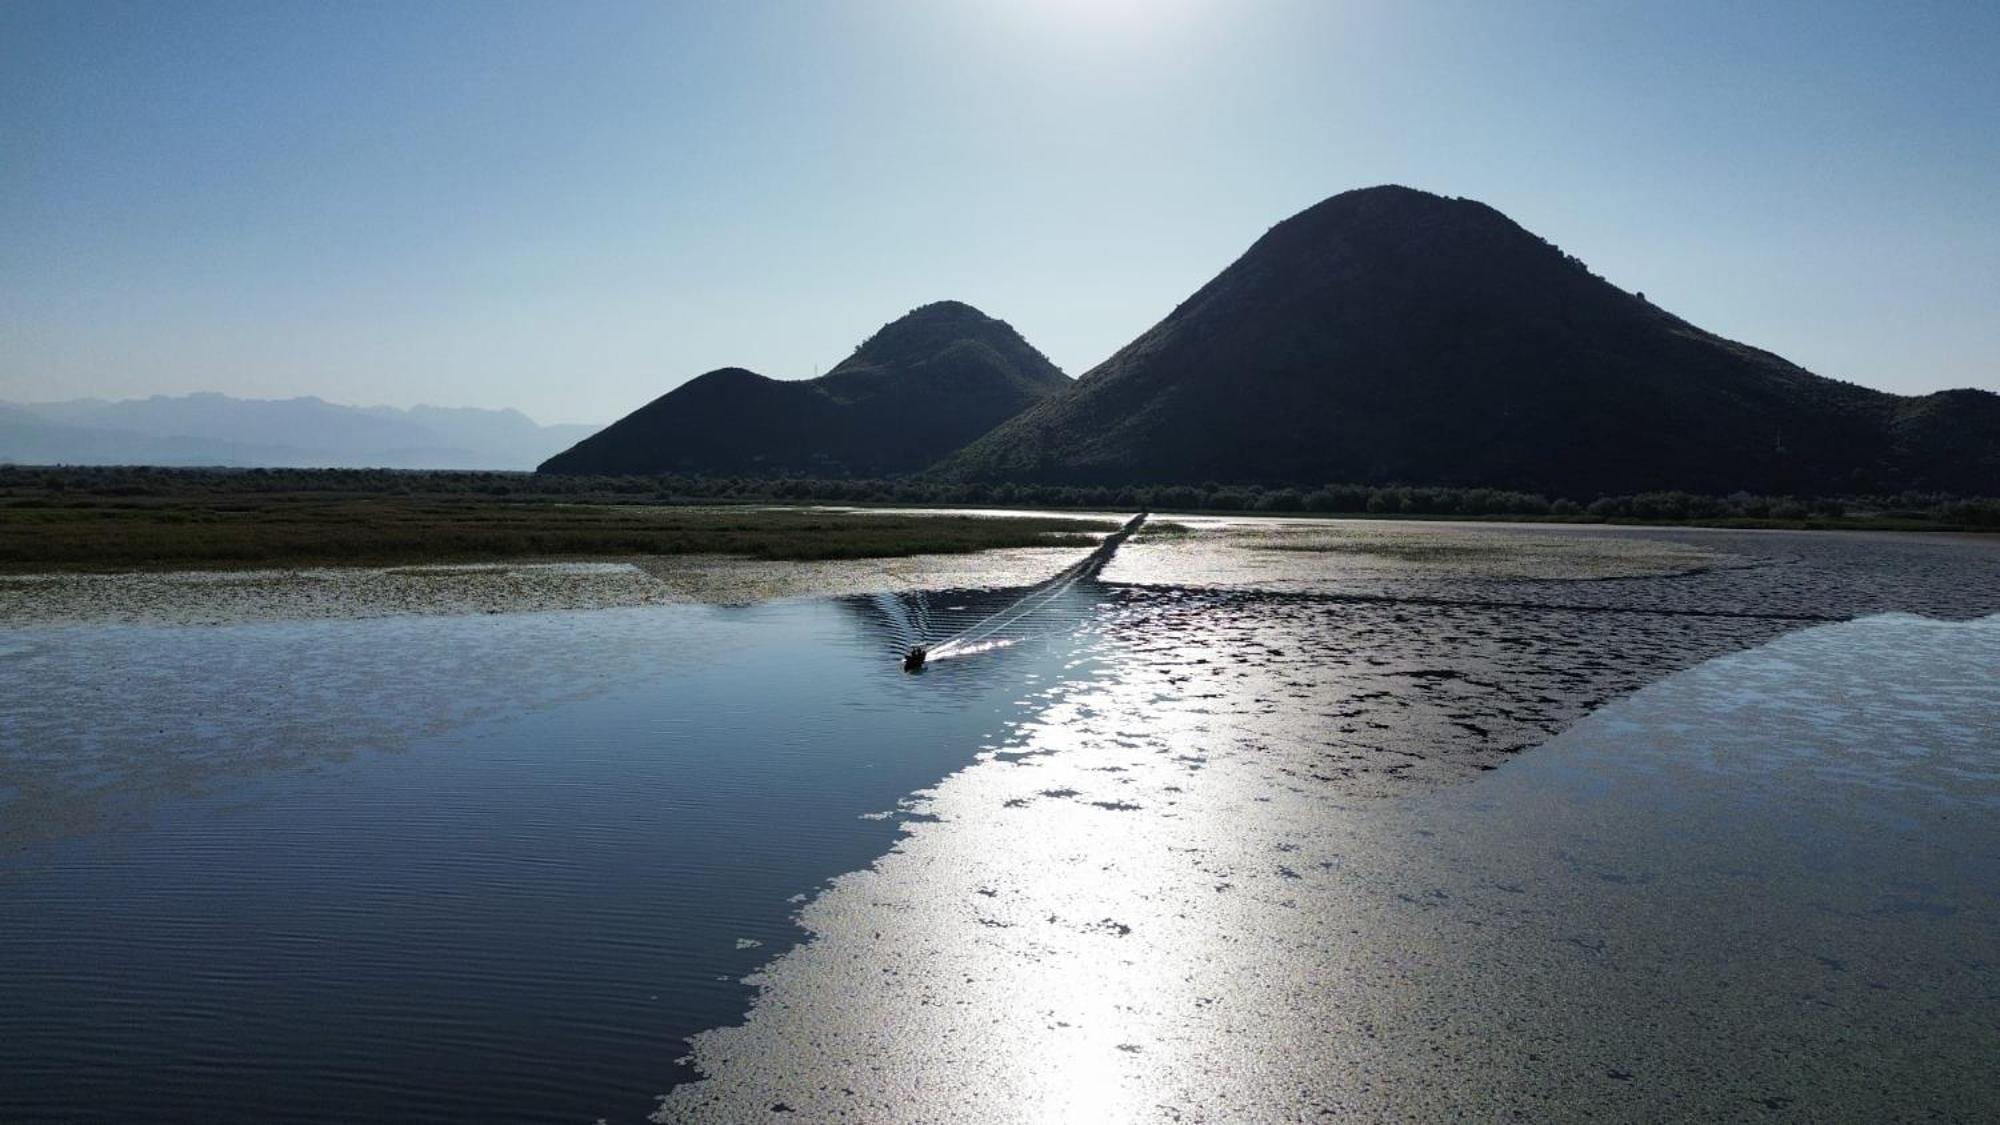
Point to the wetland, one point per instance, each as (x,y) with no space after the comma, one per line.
(1268,819)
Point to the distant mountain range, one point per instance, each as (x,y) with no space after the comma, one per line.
(1392,336)
(214,429)
(914,392)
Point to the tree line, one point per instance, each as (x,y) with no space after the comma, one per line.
(31,484)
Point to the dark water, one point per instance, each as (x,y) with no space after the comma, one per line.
(516,920)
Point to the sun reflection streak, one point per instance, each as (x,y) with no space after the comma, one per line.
(950,651)
(1167,891)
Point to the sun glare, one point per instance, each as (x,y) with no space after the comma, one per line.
(1127,20)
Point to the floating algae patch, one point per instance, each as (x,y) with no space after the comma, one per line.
(1508,555)
(462,570)
(245,596)
(1695,571)
(1470,550)
(732,581)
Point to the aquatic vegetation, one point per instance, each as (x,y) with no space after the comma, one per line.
(252,529)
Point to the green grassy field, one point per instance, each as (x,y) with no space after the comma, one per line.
(55,533)
(126,518)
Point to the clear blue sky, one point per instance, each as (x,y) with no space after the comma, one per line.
(571,207)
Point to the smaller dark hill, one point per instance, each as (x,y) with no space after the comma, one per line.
(918,389)
(1949,439)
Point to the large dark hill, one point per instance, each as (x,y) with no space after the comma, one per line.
(1389,335)
(923,386)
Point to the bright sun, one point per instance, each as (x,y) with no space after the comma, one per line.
(1109,17)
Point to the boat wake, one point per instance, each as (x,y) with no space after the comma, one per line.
(993,631)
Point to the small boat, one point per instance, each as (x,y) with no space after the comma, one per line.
(913,660)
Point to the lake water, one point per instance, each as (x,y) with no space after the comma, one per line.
(503,867)
(251,879)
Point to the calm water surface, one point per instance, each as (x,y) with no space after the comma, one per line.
(517,918)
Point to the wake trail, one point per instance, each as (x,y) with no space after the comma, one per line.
(980,635)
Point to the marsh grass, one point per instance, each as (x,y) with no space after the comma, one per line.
(53,533)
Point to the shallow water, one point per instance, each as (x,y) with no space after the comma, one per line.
(1762,887)
(475,868)
(1224,844)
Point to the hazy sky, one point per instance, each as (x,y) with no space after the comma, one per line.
(571,207)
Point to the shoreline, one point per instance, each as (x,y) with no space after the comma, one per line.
(1429,560)
(1258,552)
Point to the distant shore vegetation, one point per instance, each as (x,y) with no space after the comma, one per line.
(113,517)
(147,519)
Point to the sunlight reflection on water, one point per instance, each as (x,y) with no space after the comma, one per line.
(1138,908)
(1211,856)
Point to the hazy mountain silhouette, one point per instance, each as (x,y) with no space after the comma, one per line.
(214,429)
(1390,335)
(923,386)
